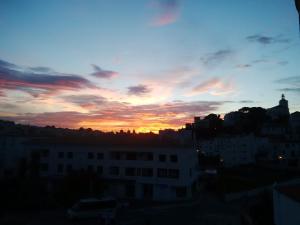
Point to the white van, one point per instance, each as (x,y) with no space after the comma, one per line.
(93,208)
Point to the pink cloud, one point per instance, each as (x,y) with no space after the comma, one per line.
(213,86)
(168,12)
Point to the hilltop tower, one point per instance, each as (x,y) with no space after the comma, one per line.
(281,110)
(283,102)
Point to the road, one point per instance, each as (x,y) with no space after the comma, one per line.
(207,210)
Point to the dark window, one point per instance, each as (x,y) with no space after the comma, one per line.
(173,158)
(130,190)
(131,156)
(147,172)
(44,167)
(293,153)
(181,192)
(90,155)
(99,170)
(287,145)
(60,168)
(61,155)
(100,156)
(35,155)
(45,153)
(130,171)
(70,155)
(162,172)
(162,158)
(173,173)
(138,171)
(148,191)
(149,156)
(90,168)
(115,155)
(146,156)
(69,168)
(114,170)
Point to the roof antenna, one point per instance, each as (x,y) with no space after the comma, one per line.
(297,3)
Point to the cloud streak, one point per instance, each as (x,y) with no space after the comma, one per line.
(168,12)
(89,102)
(13,77)
(266,40)
(292,84)
(217,57)
(103,74)
(139,90)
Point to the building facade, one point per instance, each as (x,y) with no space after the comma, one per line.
(160,174)
(233,150)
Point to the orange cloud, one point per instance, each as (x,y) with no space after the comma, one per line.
(113,116)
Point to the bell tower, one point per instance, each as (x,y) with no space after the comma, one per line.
(283,102)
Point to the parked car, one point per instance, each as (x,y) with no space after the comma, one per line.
(94,208)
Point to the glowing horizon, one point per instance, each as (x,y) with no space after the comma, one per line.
(144,65)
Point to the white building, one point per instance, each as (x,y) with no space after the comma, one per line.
(141,173)
(286,204)
(233,150)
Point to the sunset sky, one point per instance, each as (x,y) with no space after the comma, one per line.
(144,64)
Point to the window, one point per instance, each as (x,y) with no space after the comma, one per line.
(90,168)
(162,172)
(44,167)
(90,155)
(69,168)
(70,155)
(100,156)
(138,171)
(173,173)
(146,156)
(115,155)
(130,171)
(61,155)
(162,158)
(99,170)
(130,190)
(293,153)
(181,192)
(149,156)
(147,172)
(45,153)
(114,170)
(60,168)
(173,158)
(131,156)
